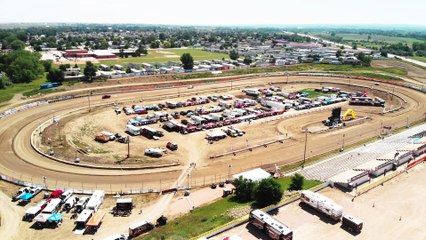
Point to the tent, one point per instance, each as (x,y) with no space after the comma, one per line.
(256,175)
(55,217)
(26,196)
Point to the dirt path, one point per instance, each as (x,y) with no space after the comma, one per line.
(10,218)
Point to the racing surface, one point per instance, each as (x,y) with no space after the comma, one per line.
(20,161)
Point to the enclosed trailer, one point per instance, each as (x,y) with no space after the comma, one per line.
(352,224)
(139,228)
(132,130)
(83,219)
(53,206)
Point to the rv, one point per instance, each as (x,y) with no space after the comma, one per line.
(216,117)
(69,204)
(273,228)
(225,104)
(198,120)
(322,204)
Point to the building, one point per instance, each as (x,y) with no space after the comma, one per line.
(350,179)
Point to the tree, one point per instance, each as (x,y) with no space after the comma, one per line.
(296,182)
(354,46)
(268,192)
(55,75)
(17,45)
(244,189)
(64,67)
(339,53)
(155,44)
(187,61)
(121,53)
(365,60)
(342,47)
(90,71)
(234,55)
(21,66)
(384,54)
(4,82)
(167,44)
(247,61)
(47,65)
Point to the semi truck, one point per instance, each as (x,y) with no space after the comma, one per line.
(273,228)
(322,204)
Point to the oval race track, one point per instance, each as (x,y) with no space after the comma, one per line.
(20,161)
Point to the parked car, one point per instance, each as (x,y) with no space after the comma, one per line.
(106,96)
(172,146)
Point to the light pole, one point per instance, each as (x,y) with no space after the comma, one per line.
(128,147)
(343,143)
(306,144)
(189,175)
(229,171)
(44,180)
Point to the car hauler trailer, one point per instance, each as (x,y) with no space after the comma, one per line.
(322,204)
(139,228)
(273,228)
(83,219)
(351,224)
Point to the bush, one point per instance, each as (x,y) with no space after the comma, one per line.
(297,182)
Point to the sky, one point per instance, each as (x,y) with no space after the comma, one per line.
(216,12)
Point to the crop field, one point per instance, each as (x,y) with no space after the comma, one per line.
(166,55)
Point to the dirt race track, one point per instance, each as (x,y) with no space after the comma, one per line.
(20,161)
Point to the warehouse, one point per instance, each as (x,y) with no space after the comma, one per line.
(350,179)
(375,167)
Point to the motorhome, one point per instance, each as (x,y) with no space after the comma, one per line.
(322,204)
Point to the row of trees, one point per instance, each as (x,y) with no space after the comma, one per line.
(266,192)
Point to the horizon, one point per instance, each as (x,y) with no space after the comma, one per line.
(236,13)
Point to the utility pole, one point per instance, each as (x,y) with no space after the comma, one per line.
(189,185)
(343,143)
(229,171)
(306,144)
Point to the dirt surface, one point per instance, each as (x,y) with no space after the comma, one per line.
(392,211)
(416,73)
(21,161)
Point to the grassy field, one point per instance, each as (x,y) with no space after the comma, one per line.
(423,59)
(8,93)
(208,217)
(380,39)
(166,55)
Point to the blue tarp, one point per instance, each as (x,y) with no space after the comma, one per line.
(26,196)
(55,217)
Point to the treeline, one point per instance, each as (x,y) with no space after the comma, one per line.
(418,49)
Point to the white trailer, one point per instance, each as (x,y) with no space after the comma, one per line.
(351,178)
(272,104)
(133,130)
(66,195)
(216,117)
(198,120)
(322,204)
(375,167)
(53,206)
(95,200)
(83,219)
(32,212)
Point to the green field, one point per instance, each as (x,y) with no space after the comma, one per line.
(208,217)
(423,59)
(166,55)
(8,93)
(375,40)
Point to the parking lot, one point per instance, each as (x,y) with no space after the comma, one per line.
(398,204)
